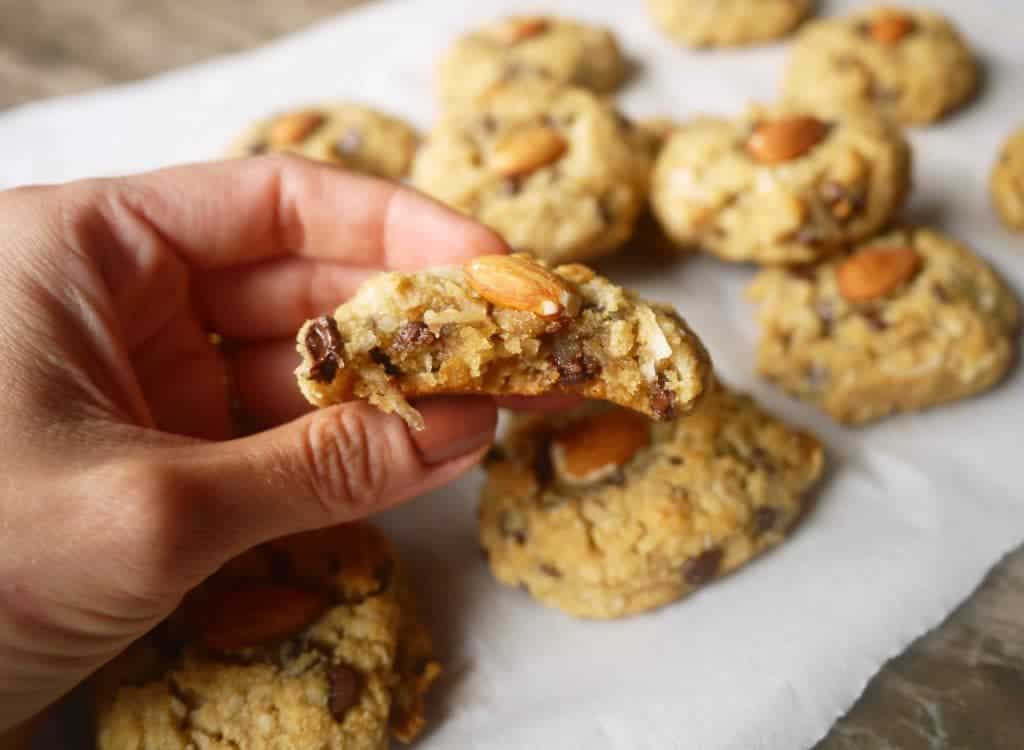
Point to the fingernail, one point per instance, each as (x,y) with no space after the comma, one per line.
(455,426)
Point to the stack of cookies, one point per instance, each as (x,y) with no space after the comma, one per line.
(663,478)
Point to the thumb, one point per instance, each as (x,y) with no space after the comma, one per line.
(332,466)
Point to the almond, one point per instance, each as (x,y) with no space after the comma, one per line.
(519,283)
(890,27)
(251,615)
(782,140)
(519,28)
(294,127)
(526,150)
(875,272)
(597,446)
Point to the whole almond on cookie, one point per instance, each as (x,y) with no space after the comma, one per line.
(875,272)
(255,614)
(519,283)
(526,150)
(782,140)
(294,127)
(519,28)
(597,446)
(890,27)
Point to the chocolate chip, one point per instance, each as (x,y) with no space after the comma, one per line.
(512,185)
(411,335)
(345,686)
(488,123)
(624,122)
(679,492)
(764,519)
(573,364)
(826,314)
(543,468)
(676,460)
(550,570)
(941,294)
(606,212)
(805,271)
(324,344)
(663,401)
(260,147)
(495,454)
(874,319)
(384,361)
(512,525)
(809,235)
(549,121)
(816,376)
(349,143)
(702,568)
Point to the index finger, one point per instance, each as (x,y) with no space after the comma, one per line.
(247,211)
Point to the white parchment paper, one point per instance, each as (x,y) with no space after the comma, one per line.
(913,514)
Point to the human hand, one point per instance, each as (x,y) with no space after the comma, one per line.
(121,486)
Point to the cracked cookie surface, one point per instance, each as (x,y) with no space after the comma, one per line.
(556,171)
(911,65)
(603,513)
(310,641)
(909,320)
(352,136)
(728,23)
(1007,182)
(522,48)
(778,185)
(501,324)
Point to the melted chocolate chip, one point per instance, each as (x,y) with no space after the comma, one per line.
(764,519)
(573,364)
(345,686)
(384,361)
(676,460)
(702,568)
(550,570)
(412,335)
(349,143)
(663,401)
(874,319)
(805,271)
(324,343)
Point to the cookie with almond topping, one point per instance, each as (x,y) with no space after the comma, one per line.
(908,320)
(523,48)
(728,23)
(557,171)
(604,513)
(908,64)
(310,641)
(501,325)
(348,135)
(779,186)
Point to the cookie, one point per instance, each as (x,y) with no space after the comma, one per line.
(602,513)
(501,324)
(780,186)
(728,23)
(910,65)
(310,641)
(1007,183)
(558,172)
(530,47)
(349,135)
(909,320)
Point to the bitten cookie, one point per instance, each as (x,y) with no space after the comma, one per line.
(910,65)
(1007,183)
(311,641)
(909,320)
(349,135)
(728,23)
(778,186)
(558,172)
(603,513)
(530,47)
(501,325)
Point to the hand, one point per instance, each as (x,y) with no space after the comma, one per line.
(121,488)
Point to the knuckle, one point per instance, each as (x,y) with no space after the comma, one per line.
(347,461)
